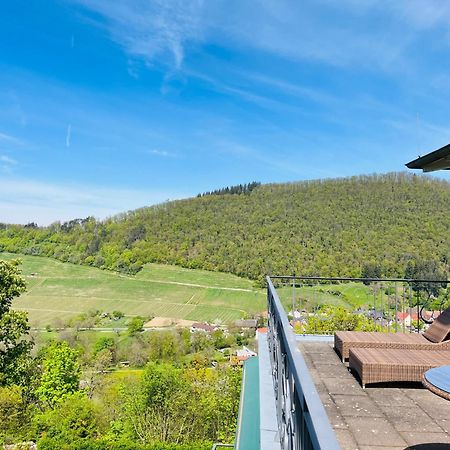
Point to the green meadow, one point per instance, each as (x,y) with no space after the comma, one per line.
(349,295)
(63,290)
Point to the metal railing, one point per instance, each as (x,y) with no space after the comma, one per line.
(391,304)
(302,420)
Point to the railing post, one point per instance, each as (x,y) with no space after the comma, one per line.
(396,307)
(302,420)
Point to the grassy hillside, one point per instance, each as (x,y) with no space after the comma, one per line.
(326,227)
(62,290)
(351,295)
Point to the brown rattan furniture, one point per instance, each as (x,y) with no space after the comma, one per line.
(434,338)
(380,365)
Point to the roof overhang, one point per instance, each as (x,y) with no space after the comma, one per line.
(437,160)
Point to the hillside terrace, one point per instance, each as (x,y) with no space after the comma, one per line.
(309,399)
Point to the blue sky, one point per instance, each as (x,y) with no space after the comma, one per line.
(108,106)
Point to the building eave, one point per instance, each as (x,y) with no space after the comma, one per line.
(437,160)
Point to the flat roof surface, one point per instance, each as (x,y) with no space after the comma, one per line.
(269,438)
(248,423)
(377,418)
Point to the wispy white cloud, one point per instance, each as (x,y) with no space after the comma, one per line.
(420,14)
(297,90)
(332,34)
(163,153)
(151,29)
(369,34)
(132,69)
(23,201)
(68,135)
(7,164)
(9,139)
(16,108)
(247,94)
(7,160)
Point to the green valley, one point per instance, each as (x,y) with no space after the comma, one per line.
(58,291)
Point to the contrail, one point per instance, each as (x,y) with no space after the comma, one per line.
(68,135)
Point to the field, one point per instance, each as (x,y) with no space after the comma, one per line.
(58,291)
(350,295)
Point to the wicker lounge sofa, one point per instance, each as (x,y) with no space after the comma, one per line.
(436,337)
(379,365)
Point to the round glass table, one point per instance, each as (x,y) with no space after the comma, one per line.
(437,380)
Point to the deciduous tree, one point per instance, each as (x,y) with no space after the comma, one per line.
(60,374)
(14,328)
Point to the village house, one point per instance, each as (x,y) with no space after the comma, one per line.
(246,324)
(241,356)
(203,327)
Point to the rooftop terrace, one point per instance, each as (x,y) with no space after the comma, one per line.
(316,403)
(379,418)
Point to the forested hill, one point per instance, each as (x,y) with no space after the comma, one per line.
(327,227)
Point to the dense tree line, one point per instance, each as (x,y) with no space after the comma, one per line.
(238,189)
(339,227)
(328,319)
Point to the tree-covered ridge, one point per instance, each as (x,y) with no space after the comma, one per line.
(328,227)
(233,190)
